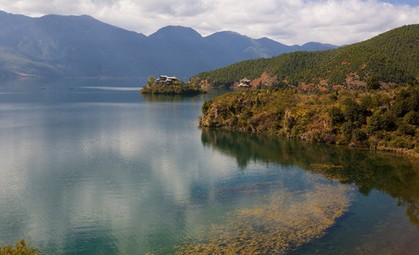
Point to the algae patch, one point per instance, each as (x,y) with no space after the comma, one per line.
(289,220)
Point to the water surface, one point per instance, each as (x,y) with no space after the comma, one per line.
(93,167)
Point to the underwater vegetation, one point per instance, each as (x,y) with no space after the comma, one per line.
(20,248)
(289,220)
(394,176)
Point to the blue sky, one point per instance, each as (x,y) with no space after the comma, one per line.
(410,2)
(287,21)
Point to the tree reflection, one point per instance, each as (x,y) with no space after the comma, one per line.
(395,176)
(169,98)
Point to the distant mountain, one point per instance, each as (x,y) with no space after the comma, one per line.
(82,46)
(68,45)
(392,57)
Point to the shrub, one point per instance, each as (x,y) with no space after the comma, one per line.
(401,142)
(346,130)
(412,118)
(406,101)
(406,129)
(374,122)
(206,106)
(353,111)
(359,135)
(388,121)
(372,83)
(336,115)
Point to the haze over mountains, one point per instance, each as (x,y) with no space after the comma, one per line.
(81,46)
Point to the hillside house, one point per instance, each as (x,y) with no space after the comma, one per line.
(244,83)
(166,80)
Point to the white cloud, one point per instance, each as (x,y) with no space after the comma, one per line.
(287,21)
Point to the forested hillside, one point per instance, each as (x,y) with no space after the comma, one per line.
(392,57)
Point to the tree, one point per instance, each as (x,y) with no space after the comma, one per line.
(151,80)
(336,115)
(372,83)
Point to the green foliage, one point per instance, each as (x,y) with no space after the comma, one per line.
(412,118)
(406,102)
(359,135)
(373,119)
(372,83)
(151,80)
(406,129)
(174,89)
(389,57)
(20,248)
(336,115)
(384,119)
(206,106)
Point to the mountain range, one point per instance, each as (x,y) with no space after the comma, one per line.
(81,46)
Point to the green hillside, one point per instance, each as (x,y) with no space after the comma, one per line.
(360,115)
(377,119)
(392,57)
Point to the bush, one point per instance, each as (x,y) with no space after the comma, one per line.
(406,101)
(359,135)
(401,142)
(406,129)
(372,83)
(336,115)
(206,106)
(353,111)
(412,118)
(346,130)
(388,121)
(374,123)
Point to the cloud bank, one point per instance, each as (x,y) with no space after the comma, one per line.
(287,21)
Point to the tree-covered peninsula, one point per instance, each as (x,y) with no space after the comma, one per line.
(362,95)
(167,85)
(379,119)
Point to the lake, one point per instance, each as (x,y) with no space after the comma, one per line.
(94,167)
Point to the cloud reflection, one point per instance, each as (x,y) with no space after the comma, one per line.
(88,169)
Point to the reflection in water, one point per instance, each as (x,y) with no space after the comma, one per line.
(392,175)
(88,171)
(179,98)
(169,98)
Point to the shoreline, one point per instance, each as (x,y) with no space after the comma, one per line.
(374,120)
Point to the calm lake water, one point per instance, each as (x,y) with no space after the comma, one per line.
(94,167)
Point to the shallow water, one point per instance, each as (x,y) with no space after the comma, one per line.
(93,167)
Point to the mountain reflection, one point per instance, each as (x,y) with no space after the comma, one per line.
(395,176)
